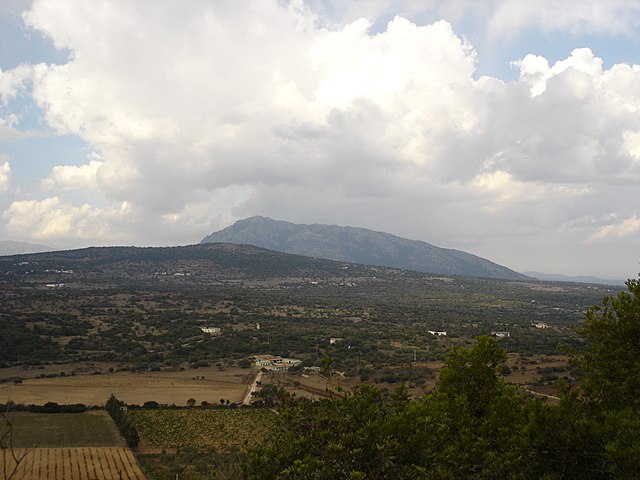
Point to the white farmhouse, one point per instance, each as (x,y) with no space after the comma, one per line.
(211,330)
(540,325)
(437,333)
(501,334)
(275,363)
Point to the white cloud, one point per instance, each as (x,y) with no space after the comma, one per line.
(577,16)
(15,81)
(5,173)
(52,218)
(12,81)
(203,113)
(503,17)
(621,229)
(74,177)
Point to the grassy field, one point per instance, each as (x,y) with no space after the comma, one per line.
(89,429)
(222,430)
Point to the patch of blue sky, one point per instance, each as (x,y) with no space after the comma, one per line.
(495,59)
(29,116)
(21,44)
(32,158)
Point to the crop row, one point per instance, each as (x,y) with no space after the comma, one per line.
(220,429)
(105,463)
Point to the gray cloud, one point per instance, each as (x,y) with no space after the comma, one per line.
(199,116)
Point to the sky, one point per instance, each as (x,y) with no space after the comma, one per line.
(509,129)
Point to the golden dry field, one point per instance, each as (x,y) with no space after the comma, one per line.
(165,387)
(68,446)
(75,463)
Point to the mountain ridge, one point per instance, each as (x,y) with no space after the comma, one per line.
(358,245)
(559,277)
(12,247)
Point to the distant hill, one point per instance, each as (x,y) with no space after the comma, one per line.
(358,245)
(558,277)
(10,247)
(202,264)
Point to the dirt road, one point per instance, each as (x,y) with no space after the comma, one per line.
(248,397)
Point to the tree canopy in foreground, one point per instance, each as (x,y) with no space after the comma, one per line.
(475,425)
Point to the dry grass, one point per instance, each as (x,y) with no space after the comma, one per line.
(133,388)
(89,463)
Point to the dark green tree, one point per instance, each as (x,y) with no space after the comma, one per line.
(349,436)
(471,427)
(474,424)
(610,360)
(608,397)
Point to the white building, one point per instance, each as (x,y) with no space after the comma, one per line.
(275,363)
(211,330)
(501,334)
(437,333)
(540,325)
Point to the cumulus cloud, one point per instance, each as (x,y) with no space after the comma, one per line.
(5,173)
(624,228)
(52,218)
(197,116)
(12,81)
(73,176)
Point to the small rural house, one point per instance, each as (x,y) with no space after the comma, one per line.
(276,363)
(501,334)
(540,325)
(437,333)
(211,330)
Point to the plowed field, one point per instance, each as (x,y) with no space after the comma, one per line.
(88,463)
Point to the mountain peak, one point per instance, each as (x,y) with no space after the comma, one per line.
(358,245)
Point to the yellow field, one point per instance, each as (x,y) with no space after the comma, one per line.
(95,463)
(163,387)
